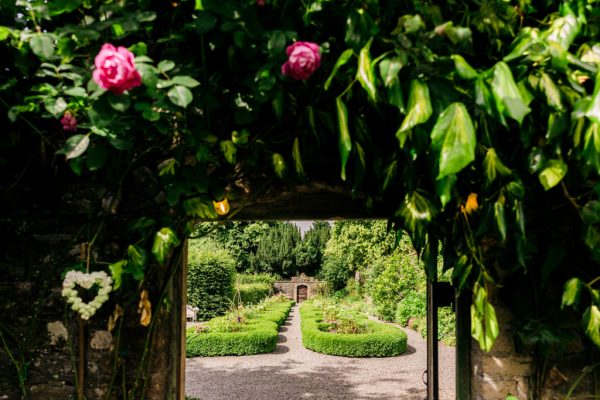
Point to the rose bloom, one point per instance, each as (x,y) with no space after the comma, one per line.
(303,59)
(69,122)
(115,70)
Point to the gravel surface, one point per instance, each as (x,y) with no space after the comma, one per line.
(295,373)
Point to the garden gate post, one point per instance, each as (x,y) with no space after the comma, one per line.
(432,336)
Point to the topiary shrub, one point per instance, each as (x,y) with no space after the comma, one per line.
(413,305)
(223,336)
(211,274)
(380,340)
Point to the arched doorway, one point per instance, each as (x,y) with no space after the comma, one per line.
(301,293)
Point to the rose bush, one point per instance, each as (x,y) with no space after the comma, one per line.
(115,69)
(303,60)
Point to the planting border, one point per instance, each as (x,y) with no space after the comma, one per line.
(258,335)
(382,340)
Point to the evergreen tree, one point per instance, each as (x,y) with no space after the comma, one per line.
(309,253)
(276,250)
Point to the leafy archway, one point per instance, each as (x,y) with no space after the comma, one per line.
(475,124)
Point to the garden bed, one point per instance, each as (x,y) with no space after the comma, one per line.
(354,336)
(251,330)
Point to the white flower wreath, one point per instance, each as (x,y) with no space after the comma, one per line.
(86,281)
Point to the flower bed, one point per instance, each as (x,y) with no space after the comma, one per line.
(244,331)
(373,339)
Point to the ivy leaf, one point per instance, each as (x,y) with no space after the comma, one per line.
(163,241)
(492,165)
(342,60)
(453,139)
(507,96)
(344,140)
(552,92)
(75,146)
(390,174)
(137,261)
(461,271)
(500,219)
(278,164)
(297,157)
(365,74)
(564,30)
(484,324)
(42,45)
(552,174)
(116,271)
(593,110)
(463,69)
(591,323)
(199,208)
(443,188)
(180,96)
(389,69)
(229,151)
(572,292)
(591,146)
(419,109)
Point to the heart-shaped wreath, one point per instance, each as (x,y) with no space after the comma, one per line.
(86,281)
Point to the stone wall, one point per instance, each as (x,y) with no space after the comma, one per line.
(505,371)
(290,288)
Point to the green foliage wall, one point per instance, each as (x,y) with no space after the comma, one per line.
(211,278)
(309,252)
(275,253)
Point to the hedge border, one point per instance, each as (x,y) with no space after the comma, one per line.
(258,336)
(382,340)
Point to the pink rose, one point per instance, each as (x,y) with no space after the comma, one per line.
(69,122)
(115,70)
(303,59)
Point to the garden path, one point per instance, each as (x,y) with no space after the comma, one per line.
(295,373)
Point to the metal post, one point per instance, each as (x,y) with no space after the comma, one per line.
(432,340)
(463,345)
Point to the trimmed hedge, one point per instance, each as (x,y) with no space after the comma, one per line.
(381,341)
(253,293)
(257,335)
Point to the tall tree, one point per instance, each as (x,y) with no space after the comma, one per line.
(309,253)
(275,253)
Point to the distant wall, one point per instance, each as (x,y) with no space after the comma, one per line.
(290,288)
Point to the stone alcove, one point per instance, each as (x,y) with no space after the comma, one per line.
(299,288)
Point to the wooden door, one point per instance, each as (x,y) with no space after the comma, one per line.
(301,293)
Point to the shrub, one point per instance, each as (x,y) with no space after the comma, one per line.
(269,279)
(414,304)
(252,293)
(211,272)
(256,334)
(380,340)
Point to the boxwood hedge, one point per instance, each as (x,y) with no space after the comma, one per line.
(253,293)
(257,335)
(381,340)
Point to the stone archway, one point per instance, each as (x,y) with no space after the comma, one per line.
(301,293)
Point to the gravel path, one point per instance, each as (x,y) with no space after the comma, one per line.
(295,373)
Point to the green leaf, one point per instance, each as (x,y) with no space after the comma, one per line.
(552,92)
(463,69)
(419,108)
(591,323)
(462,271)
(186,81)
(417,211)
(344,139)
(511,397)
(199,5)
(500,219)
(278,164)
(165,65)
(96,157)
(443,188)
(229,151)
(151,114)
(563,31)
(572,292)
(507,96)
(198,208)
(365,74)
(42,45)
(118,103)
(5,32)
(57,7)
(240,137)
(484,324)
(180,96)
(297,157)
(591,147)
(493,165)
(163,241)
(453,139)
(553,173)
(75,146)
(395,96)
(390,174)
(116,271)
(76,92)
(389,69)
(593,110)
(137,261)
